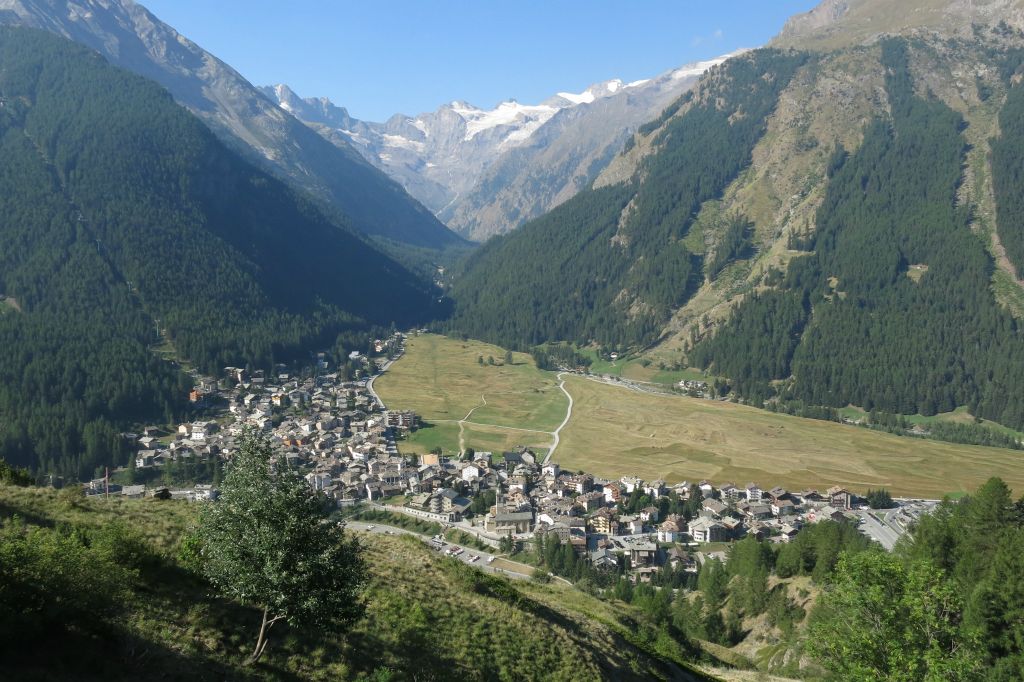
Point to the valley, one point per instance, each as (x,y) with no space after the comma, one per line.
(615,431)
(722,365)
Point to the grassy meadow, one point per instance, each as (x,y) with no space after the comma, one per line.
(616,431)
(444,382)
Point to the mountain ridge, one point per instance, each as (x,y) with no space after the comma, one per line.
(743,241)
(130,36)
(484,171)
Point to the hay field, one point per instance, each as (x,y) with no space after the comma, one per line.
(616,431)
(502,405)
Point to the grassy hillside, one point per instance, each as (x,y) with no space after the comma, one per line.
(616,431)
(840,23)
(427,618)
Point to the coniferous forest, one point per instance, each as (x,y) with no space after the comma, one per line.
(127,224)
(850,324)
(610,264)
(1008,168)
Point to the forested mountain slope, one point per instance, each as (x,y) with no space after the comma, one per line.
(916,300)
(131,37)
(611,264)
(892,310)
(121,217)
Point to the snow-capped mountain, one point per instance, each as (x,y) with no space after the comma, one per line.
(484,171)
(131,37)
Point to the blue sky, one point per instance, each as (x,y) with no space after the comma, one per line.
(381,57)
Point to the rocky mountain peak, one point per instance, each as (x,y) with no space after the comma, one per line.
(842,23)
(480,169)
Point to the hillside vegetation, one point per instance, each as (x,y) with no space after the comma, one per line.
(849,323)
(124,220)
(868,267)
(102,578)
(611,264)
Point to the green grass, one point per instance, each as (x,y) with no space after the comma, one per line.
(495,439)
(639,368)
(461,537)
(442,380)
(425,617)
(430,436)
(398,520)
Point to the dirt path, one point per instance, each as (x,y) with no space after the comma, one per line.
(462,424)
(568,416)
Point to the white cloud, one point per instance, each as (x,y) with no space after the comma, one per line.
(716,35)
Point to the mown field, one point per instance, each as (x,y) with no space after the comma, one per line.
(443,381)
(616,431)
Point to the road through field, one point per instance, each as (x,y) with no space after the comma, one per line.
(613,427)
(568,416)
(492,406)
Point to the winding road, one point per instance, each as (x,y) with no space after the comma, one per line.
(369,382)
(568,416)
(555,435)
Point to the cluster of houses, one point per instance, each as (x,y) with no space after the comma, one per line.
(588,513)
(330,427)
(335,430)
(694,388)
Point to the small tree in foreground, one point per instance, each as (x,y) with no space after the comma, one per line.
(266,542)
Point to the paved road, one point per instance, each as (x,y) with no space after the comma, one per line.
(369,382)
(465,557)
(878,526)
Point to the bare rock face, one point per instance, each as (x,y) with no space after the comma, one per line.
(131,37)
(484,172)
(844,23)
